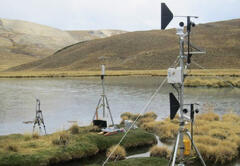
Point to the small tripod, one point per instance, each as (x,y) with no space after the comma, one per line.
(103,101)
(39,117)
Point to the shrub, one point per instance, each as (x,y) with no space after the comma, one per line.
(118,154)
(74,129)
(160,151)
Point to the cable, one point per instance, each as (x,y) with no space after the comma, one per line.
(219,78)
(142,112)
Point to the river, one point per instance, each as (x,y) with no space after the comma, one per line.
(75,99)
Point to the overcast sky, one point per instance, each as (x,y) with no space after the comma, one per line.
(128,15)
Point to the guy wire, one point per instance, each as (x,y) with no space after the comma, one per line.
(142,112)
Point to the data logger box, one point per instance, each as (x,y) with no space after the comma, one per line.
(175,75)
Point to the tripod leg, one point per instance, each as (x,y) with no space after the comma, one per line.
(96,112)
(34,127)
(42,121)
(45,129)
(44,126)
(109,111)
(175,149)
(196,149)
(171,157)
(104,105)
(40,129)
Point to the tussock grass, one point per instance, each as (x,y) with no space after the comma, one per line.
(209,116)
(35,135)
(62,138)
(74,129)
(217,138)
(191,81)
(212,82)
(12,147)
(147,117)
(160,151)
(27,136)
(64,146)
(118,154)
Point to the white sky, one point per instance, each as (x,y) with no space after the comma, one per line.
(128,15)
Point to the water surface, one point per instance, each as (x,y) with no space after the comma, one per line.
(75,99)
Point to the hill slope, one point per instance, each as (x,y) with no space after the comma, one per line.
(22,41)
(93,34)
(147,50)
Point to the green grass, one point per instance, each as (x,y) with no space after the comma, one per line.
(145,161)
(45,151)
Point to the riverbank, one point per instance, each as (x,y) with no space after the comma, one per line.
(213,82)
(18,149)
(217,138)
(216,78)
(145,161)
(59,73)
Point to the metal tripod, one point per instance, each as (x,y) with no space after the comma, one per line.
(39,118)
(182,131)
(103,103)
(175,148)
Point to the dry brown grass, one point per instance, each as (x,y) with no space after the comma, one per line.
(74,129)
(216,82)
(118,154)
(147,117)
(12,148)
(61,138)
(35,135)
(217,138)
(160,151)
(83,73)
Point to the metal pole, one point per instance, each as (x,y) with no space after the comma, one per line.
(181,91)
(109,111)
(176,149)
(196,149)
(103,95)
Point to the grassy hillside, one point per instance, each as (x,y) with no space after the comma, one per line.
(147,50)
(94,34)
(22,42)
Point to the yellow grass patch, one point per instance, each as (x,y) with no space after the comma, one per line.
(118,154)
(217,138)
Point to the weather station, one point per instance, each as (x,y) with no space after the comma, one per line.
(176,78)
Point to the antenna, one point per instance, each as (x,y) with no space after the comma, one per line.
(176,78)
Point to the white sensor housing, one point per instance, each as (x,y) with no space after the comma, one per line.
(175,75)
